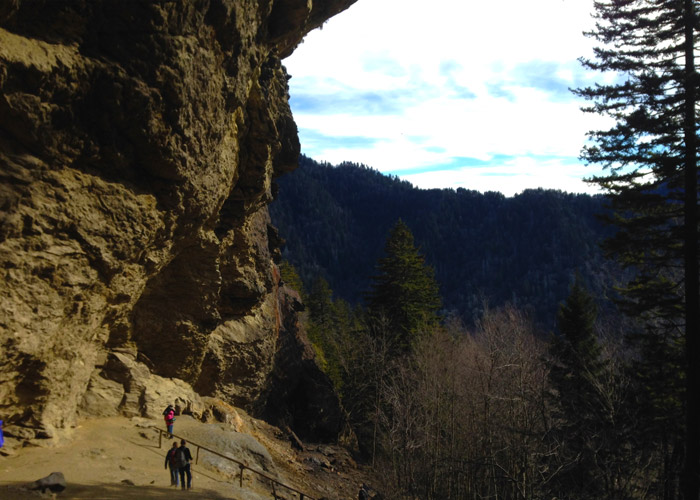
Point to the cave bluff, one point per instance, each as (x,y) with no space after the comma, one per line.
(139,143)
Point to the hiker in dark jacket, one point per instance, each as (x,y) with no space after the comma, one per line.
(183,457)
(170,462)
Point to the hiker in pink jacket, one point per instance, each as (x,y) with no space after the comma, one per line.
(169,415)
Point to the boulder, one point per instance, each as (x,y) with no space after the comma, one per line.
(102,398)
(54,482)
(226,441)
(220,411)
(125,386)
(19,432)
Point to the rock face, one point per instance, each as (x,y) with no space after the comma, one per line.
(240,446)
(300,395)
(139,142)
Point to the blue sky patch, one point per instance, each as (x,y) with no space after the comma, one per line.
(499,90)
(348,101)
(455,163)
(314,141)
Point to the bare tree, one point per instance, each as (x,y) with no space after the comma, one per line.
(463,414)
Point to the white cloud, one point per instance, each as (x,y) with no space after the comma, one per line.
(430,82)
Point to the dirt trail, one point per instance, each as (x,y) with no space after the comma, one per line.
(120,458)
(99,459)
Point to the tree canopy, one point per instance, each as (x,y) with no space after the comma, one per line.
(651,156)
(405,290)
(484,247)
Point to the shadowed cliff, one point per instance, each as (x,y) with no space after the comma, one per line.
(139,143)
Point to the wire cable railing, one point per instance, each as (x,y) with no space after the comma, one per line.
(243,467)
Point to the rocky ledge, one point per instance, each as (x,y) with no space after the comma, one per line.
(139,143)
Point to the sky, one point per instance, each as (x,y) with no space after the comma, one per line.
(450,93)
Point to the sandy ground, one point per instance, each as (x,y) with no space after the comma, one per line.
(99,461)
(120,458)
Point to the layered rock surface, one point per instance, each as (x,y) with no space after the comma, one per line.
(139,142)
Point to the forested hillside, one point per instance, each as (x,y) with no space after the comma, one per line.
(484,247)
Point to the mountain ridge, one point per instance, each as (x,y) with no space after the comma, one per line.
(484,247)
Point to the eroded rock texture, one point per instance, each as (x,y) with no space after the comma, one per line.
(299,394)
(139,141)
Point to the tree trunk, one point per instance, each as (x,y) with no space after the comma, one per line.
(691,474)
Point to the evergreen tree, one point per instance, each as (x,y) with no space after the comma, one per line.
(576,347)
(290,277)
(576,373)
(405,291)
(323,329)
(651,154)
(320,303)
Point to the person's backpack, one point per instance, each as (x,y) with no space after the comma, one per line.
(171,457)
(180,458)
(168,409)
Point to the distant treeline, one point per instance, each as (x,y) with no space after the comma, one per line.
(484,248)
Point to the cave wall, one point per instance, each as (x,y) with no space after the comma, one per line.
(139,142)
